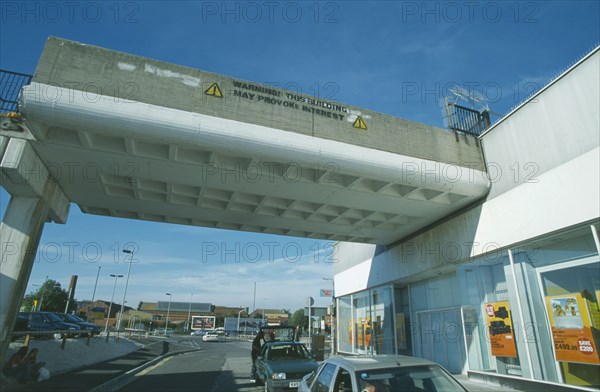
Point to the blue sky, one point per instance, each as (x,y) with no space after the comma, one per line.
(398,58)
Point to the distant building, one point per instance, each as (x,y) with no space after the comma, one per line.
(183,311)
(97,311)
(273,316)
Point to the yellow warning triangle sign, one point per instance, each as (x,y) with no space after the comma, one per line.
(360,123)
(214,90)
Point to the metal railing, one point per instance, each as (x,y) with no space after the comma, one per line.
(466,120)
(10,86)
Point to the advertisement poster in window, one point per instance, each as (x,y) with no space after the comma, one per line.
(500,328)
(400,332)
(570,322)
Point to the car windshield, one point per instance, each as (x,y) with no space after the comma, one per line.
(287,351)
(53,317)
(414,378)
(71,318)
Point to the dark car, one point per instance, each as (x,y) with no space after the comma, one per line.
(387,373)
(283,362)
(46,324)
(87,328)
(21,325)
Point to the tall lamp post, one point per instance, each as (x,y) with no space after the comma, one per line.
(111,301)
(168,311)
(238,327)
(190,314)
(264,302)
(130,252)
(94,293)
(333,342)
(39,307)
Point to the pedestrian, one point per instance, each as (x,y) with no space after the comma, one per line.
(298,333)
(17,367)
(256,348)
(33,365)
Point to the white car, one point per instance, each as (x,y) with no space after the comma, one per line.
(387,373)
(211,337)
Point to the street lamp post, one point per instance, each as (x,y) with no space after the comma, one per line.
(331,319)
(39,307)
(264,301)
(190,314)
(94,293)
(111,301)
(168,310)
(130,252)
(238,327)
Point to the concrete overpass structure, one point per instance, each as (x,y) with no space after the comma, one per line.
(125,136)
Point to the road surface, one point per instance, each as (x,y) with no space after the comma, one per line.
(218,367)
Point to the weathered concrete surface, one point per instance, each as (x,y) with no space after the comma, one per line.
(92,70)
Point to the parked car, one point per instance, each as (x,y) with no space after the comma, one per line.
(86,328)
(393,373)
(282,362)
(211,337)
(198,333)
(21,325)
(43,324)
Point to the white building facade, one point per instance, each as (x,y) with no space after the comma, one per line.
(509,287)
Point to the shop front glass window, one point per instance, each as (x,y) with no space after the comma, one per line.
(361,323)
(488,317)
(383,321)
(345,329)
(571,295)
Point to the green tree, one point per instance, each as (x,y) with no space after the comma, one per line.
(298,318)
(51,296)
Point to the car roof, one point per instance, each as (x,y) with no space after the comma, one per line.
(283,343)
(369,362)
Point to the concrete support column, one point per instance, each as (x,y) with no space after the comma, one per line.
(20,234)
(35,199)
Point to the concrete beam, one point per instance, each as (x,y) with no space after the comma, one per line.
(22,173)
(88,72)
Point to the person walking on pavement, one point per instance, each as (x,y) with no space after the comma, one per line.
(256,347)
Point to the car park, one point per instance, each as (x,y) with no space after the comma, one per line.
(45,324)
(282,362)
(384,373)
(86,328)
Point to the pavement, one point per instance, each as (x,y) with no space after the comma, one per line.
(74,372)
(81,367)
